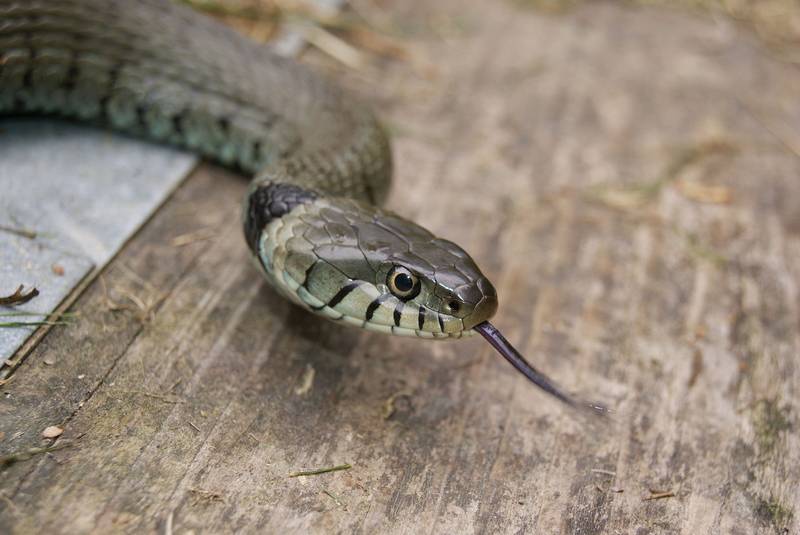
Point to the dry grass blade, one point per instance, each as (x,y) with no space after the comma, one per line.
(18,324)
(49,319)
(143,307)
(319,471)
(332,45)
(633,196)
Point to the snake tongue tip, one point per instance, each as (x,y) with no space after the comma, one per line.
(510,353)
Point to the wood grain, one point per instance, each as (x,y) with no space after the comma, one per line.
(629,179)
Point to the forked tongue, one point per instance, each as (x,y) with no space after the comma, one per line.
(504,347)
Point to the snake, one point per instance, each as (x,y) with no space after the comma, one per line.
(319,159)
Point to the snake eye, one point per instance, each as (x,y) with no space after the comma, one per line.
(402,283)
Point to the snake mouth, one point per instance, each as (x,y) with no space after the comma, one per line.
(485,309)
(510,353)
(403,331)
(368,308)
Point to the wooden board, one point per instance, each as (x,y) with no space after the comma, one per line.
(629,179)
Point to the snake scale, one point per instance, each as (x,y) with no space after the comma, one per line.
(320,161)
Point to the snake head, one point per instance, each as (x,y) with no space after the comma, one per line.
(364,266)
(433,276)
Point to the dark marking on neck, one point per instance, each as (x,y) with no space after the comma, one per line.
(374,306)
(269,202)
(398,312)
(421,317)
(441,321)
(344,292)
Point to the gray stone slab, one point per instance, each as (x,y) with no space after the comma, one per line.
(52,271)
(81,189)
(84,192)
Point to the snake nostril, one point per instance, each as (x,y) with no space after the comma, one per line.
(454,306)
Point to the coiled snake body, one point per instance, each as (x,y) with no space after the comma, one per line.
(321,162)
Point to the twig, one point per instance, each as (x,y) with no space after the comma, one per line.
(319,471)
(25,233)
(658,495)
(15,324)
(18,297)
(24,455)
(194,426)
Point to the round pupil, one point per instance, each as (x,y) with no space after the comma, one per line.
(403,282)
